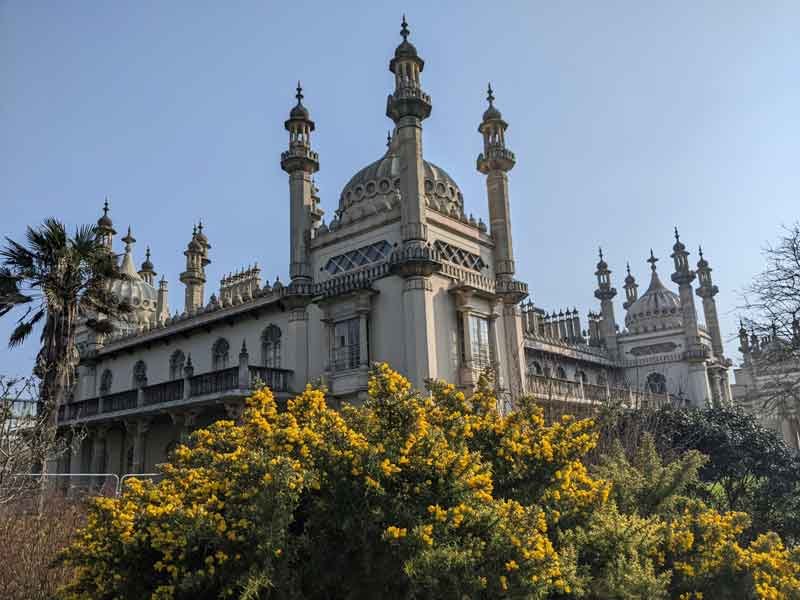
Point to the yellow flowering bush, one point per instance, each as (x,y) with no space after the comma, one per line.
(409,495)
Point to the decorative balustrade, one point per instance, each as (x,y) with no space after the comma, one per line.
(163,392)
(214,382)
(205,384)
(565,390)
(120,401)
(275,379)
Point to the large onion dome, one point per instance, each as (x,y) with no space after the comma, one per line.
(657,309)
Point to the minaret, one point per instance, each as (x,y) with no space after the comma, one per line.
(105,228)
(605,293)
(408,106)
(162,302)
(707,290)
(696,354)
(300,162)
(631,288)
(194,277)
(495,162)
(146,271)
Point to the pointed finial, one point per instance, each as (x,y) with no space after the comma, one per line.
(194,230)
(147,253)
(388,138)
(628,267)
(677,236)
(200,226)
(600,252)
(128,239)
(652,260)
(299,94)
(105,207)
(404,29)
(700,251)
(490,95)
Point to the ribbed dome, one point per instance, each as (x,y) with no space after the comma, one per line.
(658,308)
(135,291)
(376,187)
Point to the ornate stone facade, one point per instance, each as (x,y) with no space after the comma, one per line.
(400,274)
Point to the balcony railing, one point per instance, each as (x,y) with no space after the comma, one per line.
(565,390)
(215,382)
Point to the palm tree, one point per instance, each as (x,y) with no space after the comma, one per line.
(59,280)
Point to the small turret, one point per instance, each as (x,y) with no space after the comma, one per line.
(744,340)
(105,228)
(194,277)
(631,288)
(146,271)
(707,290)
(605,293)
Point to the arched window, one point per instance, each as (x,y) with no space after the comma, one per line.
(581,376)
(535,368)
(656,383)
(106,379)
(220,353)
(271,347)
(560,373)
(176,362)
(139,374)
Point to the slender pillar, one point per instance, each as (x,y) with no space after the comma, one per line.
(605,293)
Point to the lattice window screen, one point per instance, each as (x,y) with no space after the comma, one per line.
(459,256)
(359,257)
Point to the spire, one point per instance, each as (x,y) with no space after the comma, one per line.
(127,266)
(652,260)
(495,156)
(404,29)
(408,98)
(129,240)
(631,288)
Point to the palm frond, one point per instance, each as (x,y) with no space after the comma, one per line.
(20,333)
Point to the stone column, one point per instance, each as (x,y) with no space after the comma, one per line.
(188,373)
(99,445)
(138,430)
(244,368)
(515,350)
(296,346)
(464,306)
(186,421)
(420,353)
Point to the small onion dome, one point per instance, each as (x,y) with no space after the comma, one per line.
(602,265)
(702,263)
(299,111)
(491,112)
(629,279)
(406,49)
(678,247)
(201,237)
(147,266)
(195,245)
(105,221)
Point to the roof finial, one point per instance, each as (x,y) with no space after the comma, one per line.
(194,230)
(677,236)
(128,239)
(404,29)
(147,253)
(652,260)
(700,251)
(105,207)
(490,95)
(628,267)
(600,252)
(388,138)
(299,94)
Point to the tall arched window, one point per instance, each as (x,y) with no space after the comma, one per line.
(656,383)
(139,374)
(271,347)
(220,354)
(106,379)
(176,362)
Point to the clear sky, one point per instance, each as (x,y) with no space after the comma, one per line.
(626,118)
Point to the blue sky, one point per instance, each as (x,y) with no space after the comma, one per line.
(626,118)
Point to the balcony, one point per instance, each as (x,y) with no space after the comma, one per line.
(203,388)
(548,389)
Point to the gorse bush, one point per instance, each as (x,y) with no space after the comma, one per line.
(412,495)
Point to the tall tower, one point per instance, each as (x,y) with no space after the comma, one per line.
(162,303)
(707,290)
(605,293)
(631,287)
(105,228)
(696,353)
(300,162)
(194,277)
(495,162)
(408,106)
